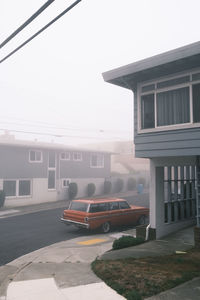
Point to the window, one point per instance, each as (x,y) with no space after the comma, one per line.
(65,182)
(77,156)
(196,102)
(35,156)
(24,187)
(52,171)
(65,156)
(173,107)
(170,102)
(97,161)
(17,188)
(147,108)
(51,179)
(98,207)
(114,205)
(78,206)
(123,205)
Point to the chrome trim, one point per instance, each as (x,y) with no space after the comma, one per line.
(70,222)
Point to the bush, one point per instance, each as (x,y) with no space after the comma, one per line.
(119,185)
(2,198)
(107,187)
(73,190)
(126,241)
(131,184)
(91,189)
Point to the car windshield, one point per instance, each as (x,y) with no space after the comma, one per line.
(79,206)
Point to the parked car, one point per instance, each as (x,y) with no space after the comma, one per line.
(103,213)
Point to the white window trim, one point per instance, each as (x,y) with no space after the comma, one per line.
(68,158)
(79,159)
(65,186)
(96,167)
(36,161)
(17,188)
(155,91)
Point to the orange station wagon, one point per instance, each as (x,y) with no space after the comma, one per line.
(103,213)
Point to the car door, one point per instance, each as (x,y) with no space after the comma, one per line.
(115,213)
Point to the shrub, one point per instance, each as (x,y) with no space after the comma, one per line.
(131,184)
(107,187)
(126,241)
(73,190)
(119,185)
(91,189)
(2,198)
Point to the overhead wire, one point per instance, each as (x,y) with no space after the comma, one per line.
(41,30)
(34,16)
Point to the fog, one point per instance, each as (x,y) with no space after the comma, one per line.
(53,90)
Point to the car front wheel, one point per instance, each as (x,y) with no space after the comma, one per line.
(105,227)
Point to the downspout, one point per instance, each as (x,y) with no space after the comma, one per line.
(147,232)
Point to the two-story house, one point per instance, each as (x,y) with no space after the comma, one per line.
(36,172)
(166,91)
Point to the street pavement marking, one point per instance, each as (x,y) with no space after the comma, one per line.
(91,242)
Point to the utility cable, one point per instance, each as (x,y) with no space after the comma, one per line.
(41,30)
(35,15)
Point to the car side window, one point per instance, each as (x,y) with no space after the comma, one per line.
(124,205)
(98,207)
(114,205)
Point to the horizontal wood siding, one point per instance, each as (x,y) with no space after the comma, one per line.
(169,143)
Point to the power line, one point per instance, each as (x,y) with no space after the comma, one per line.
(59,135)
(35,15)
(41,30)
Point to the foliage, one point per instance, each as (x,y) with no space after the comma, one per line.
(2,198)
(91,189)
(73,190)
(131,184)
(126,241)
(119,185)
(133,295)
(107,187)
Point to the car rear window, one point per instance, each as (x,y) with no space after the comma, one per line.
(98,207)
(78,206)
(124,205)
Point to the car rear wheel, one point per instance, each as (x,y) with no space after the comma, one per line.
(105,227)
(142,220)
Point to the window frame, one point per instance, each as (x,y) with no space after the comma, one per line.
(80,154)
(66,158)
(65,179)
(36,161)
(156,90)
(98,166)
(17,188)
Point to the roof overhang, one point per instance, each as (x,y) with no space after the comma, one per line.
(174,61)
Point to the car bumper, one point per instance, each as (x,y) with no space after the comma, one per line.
(77,224)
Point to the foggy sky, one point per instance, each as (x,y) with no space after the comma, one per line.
(54,84)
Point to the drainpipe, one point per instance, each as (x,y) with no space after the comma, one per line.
(147,232)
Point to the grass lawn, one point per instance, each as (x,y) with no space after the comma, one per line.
(136,279)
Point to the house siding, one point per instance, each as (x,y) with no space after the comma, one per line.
(14,163)
(185,142)
(82,169)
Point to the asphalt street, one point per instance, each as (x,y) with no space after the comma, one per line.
(22,234)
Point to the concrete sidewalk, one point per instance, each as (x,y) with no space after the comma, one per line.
(63,270)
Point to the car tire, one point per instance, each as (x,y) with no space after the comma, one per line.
(105,228)
(142,220)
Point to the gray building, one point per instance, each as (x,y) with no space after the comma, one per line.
(32,172)
(166,91)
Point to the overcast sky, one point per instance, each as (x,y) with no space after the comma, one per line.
(54,84)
